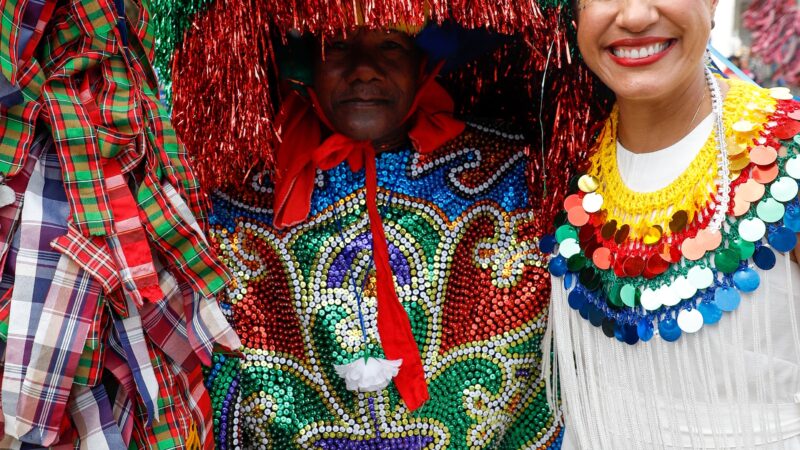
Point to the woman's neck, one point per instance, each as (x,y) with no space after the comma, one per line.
(653,124)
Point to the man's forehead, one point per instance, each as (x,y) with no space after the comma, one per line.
(371,31)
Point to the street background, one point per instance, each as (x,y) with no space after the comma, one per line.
(762,37)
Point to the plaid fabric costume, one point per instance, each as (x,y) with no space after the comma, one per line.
(107,299)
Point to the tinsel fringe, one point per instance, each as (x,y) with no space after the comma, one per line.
(225,93)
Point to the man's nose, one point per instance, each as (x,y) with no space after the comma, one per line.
(364,66)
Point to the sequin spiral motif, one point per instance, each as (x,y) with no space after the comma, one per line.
(468,271)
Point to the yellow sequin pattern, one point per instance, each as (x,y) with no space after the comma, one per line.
(744,113)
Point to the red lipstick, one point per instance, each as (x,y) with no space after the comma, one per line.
(639,43)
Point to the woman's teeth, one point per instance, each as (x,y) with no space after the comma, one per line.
(640,52)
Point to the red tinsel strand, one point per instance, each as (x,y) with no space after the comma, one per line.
(573,121)
(222,95)
(572,108)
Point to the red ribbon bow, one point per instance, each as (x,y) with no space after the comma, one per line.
(300,154)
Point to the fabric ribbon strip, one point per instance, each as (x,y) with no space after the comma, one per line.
(129,342)
(301,154)
(32,17)
(91,92)
(57,347)
(129,245)
(125,402)
(33,264)
(91,412)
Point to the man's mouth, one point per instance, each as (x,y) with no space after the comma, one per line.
(369,101)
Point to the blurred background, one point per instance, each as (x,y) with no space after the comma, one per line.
(760,37)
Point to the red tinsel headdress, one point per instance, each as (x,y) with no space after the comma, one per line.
(224,76)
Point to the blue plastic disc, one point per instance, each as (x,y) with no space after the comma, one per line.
(764,258)
(596,316)
(576,300)
(584,311)
(791,219)
(727,298)
(746,279)
(619,332)
(669,329)
(711,314)
(782,239)
(558,266)
(629,334)
(569,280)
(609,327)
(547,244)
(644,329)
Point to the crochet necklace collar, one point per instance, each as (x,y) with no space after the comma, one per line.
(671,261)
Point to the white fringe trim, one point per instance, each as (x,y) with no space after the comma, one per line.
(727,386)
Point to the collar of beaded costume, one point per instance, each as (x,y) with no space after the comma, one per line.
(673,260)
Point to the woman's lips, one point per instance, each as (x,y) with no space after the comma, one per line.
(639,52)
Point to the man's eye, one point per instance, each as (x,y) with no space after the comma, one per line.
(391,45)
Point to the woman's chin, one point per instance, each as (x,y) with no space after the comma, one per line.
(646,85)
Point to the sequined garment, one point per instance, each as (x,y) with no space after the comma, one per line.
(468,272)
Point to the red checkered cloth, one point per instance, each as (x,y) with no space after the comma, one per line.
(106,272)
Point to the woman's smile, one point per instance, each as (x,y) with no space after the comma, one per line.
(639,51)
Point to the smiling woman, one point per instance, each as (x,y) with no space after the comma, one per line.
(649,54)
(676,323)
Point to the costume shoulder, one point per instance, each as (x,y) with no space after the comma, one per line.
(482,156)
(487,134)
(490,144)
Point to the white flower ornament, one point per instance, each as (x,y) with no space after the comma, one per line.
(368,374)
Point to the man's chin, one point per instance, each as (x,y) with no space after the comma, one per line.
(371,130)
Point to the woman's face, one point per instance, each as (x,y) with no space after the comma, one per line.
(645,49)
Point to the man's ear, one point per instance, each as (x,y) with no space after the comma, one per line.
(423,67)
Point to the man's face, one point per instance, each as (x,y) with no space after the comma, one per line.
(366,83)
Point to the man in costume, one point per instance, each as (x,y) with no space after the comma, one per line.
(389,291)
(388,285)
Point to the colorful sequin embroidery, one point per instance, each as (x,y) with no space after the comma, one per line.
(468,271)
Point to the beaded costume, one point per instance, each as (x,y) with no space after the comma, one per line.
(676,320)
(463,248)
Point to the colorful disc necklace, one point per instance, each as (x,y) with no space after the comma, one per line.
(671,261)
